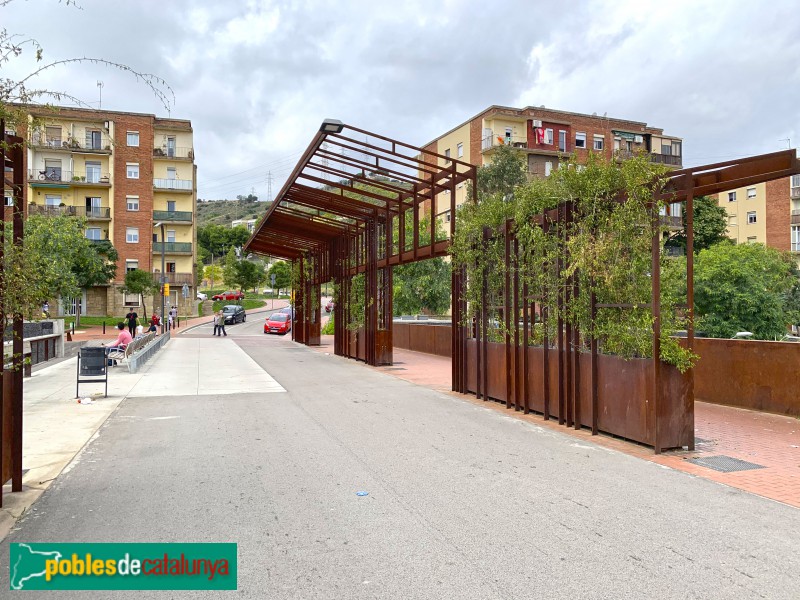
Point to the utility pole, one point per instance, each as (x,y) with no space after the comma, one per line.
(269,186)
(100,87)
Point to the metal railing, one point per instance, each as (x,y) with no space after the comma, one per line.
(54,175)
(172,247)
(175,278)
(490,141)
(184,216)
(671,221)
(666,159)
(173,184)
(178,152)
(99,212)
(88,143)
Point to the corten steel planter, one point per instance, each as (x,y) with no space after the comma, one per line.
(420,337)
(624,394)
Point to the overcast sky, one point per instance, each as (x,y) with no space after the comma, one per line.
(256,78)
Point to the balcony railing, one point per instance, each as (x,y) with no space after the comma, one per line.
(165,152)
(182,216)
(90,143)
(99,212)
(175,278)
(796,217)
(795,193)
(172,247)
(54,175)
(671,221)
(500,139)
(664,159)
(173,184)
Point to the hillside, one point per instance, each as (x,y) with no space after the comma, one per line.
(222,212)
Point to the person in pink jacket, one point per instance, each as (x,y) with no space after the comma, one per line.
(123,339)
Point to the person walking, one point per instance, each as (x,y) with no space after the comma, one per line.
(133,320)
(173,314)
(221,323)
(46,309)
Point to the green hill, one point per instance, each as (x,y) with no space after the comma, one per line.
(222,212)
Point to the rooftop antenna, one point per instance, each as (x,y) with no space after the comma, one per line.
(788,142)
(100,87)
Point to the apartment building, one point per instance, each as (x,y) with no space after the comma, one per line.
(131,176)
(766,213)
(549,136)
(249,223)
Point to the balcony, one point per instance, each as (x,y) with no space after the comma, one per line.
(664,159)
(173,216)
(99,213)
(175,278)
(172,247)
(173,153)
(671,222)
(53,176)
(491,141)
(175,185)
(796,217)
(90,145)
(794,193)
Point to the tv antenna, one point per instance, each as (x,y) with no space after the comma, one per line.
(100,87)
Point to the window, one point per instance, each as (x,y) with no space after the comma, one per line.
(132,235)
(133,138)
(171,205)
(94,139)
(752,239)
(53,136)
(751,217)
(446,153)
(795,180)
(732,221)
(171,147)
(93,208)
(751,192)
(447,217)
(8,200)
(548,168)
(675,209)
(133,170)
(508,136)
(548,137)
(172,172)
(52,199)
(580,139)
(616,143)
(460,150)
(131,265)
(598,142)
(93,233)
(130,299)
(92,172)
(731,196)
(676,148)
(795,238)
(170,267)
(562,140)
(171,236)
(133,202)
(52,170)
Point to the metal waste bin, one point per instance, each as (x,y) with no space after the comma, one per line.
(92,362)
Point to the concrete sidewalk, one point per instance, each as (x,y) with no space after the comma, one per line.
(769,441)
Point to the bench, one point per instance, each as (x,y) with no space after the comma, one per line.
(137,344)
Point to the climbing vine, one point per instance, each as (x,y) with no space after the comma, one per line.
(605,249)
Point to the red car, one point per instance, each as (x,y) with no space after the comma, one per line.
(229,295)
(278,323)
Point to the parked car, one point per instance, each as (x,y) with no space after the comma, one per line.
(201,296)
(289,310)
(229,295)
(329,306)
(278,322)
(233,313)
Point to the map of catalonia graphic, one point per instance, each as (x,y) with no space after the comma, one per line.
(30,564)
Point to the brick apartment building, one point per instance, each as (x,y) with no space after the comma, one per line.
(124,173)
(549,136)
(765,213)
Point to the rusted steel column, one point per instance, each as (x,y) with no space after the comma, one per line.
(2,299)
(689,406)
(545,309)
(560,320)
(655,277)
(415,233)
(17,361)
(576,349)
(515,320)
(485,324)
(507,311)
(527,311)
(593,313)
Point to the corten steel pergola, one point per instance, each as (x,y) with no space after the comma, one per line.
(322,221)
(334,219)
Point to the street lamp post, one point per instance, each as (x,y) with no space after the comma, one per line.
(160,224)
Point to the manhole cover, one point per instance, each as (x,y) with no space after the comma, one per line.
(725,464)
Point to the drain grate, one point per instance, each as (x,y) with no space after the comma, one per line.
(725,464)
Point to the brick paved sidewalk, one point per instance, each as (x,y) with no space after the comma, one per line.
(770,441)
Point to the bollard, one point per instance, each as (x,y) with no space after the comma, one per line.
(104,327)
(178,321)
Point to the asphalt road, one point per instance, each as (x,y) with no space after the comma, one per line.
(463,502)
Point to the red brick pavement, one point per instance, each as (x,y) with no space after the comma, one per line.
(772,441)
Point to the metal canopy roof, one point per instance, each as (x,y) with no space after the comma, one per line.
(325,197)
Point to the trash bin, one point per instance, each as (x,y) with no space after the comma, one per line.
(93,361)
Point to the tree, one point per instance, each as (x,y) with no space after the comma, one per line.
(249,198)
(212,273)
(248,274)
(283,274)
(142,283)
(746,287)
(217,239)
(229,270)
(710,224)
(422,285)
(507,170)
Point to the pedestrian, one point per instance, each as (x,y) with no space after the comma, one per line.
(173,315)
(221,323)
(122,341)
(46,309)
(133,320)
(215,322)
(169,319)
